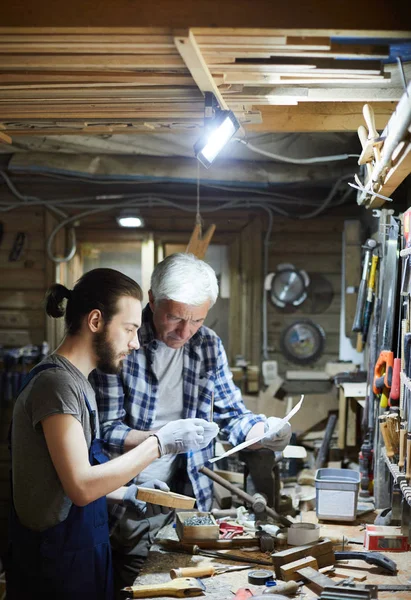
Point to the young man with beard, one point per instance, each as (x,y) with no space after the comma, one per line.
(61,479)
(180,371)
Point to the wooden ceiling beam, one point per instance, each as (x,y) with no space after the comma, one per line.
(319,116)
(191,55)
(105,62)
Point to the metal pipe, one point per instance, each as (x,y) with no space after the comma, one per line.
(243,495)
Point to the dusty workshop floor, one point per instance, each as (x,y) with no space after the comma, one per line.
(220,587)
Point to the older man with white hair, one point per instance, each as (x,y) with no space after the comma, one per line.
(180,371)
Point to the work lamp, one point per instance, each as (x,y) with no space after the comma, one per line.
(219,127)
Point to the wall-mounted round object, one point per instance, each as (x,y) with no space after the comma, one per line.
(302,342)
(287,286)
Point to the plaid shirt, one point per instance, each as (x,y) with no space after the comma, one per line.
(128,401)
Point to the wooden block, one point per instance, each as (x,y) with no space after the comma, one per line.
(222,496)
(346,573)
(196,532)
(322,552)
(290,571)
(169,499)
(314,580)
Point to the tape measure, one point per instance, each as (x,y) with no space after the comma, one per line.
(260,576)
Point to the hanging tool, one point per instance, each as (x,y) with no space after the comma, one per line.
(18,246)
(383,376)
(257,502)
(178,588)
(394,399)
(370,297)
(206,571)
(389,289)
(368,248)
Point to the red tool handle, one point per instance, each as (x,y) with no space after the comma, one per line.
(395,384)
(384,366)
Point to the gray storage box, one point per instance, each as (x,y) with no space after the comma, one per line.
(336,494)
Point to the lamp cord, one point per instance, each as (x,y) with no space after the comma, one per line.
(198,215)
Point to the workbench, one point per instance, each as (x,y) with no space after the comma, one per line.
(159,563)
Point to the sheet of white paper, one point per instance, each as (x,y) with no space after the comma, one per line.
(257,439)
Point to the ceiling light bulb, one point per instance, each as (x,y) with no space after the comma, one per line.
(130,219)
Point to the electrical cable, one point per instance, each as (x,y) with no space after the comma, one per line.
(150,200)
(295,161)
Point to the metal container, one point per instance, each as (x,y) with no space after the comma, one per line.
(336,494)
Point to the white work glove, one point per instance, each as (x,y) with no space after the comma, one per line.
(277,436)
(145,509)
(183,435)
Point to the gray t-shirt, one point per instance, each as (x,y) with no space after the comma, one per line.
(39,498)
(168,367)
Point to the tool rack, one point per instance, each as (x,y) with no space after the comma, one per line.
(398,477)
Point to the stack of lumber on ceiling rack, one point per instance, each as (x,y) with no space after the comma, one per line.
(107,80)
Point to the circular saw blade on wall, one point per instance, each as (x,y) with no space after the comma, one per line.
(303,342)
(287,286)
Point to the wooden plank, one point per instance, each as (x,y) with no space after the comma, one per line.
(289,572)
(342,419)
(318,263)
(319,116)
(4,138)
(22,279)
(127,77)
(85,49)
(32,242)
(82,81)
(23,218)
(37,37)
(329,323)
(107,62)
(29,115)
(337,51)
(21,299)
(249,30)
(191,55)
(395,175)
(308,243)
(307,76)
(29,259)
(84,31)
(21,319)
(16,337)
(235,301)
(365,67)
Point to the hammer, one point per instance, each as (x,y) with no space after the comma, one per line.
(258,502)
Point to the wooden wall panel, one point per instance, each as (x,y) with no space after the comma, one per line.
(315,246)
(22,320)
(22,281)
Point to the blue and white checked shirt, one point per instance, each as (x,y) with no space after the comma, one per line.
(128,401)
